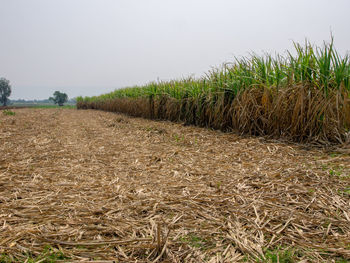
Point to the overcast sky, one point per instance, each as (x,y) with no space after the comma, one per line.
(89,47)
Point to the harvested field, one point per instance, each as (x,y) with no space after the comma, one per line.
(95,185)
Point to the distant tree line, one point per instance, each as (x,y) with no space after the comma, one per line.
(45,101)
(58,98)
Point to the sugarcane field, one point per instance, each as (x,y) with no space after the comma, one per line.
(162,131)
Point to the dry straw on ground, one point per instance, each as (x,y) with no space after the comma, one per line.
(103,186)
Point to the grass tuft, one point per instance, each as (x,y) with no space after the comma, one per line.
(9,113)
(49,255)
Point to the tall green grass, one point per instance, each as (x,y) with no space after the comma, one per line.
(316,75)
(321,67)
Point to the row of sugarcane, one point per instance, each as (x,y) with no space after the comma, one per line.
(303,96)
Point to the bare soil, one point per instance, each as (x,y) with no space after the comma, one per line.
(103,186)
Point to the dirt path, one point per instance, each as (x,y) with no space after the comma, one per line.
(98,185)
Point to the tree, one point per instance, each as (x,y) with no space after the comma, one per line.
(5,90)
(59,98)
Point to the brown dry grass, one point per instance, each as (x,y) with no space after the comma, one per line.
(100,185)
(298,113)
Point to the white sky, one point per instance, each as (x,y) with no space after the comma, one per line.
(89,47)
